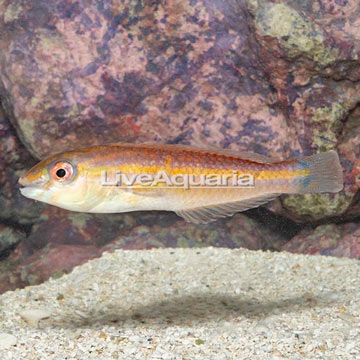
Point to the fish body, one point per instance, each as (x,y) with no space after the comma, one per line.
(85,179)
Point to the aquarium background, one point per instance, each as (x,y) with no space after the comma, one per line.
(278,78)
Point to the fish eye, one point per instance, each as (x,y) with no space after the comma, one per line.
(62,171)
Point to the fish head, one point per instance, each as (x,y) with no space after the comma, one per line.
(59,180)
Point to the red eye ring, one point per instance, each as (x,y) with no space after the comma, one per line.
(62,171)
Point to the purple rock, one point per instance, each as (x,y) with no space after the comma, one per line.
(331,239)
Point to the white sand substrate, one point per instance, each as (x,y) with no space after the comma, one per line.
(189,304)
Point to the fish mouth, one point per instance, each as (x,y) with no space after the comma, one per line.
(31,192)
(23,182)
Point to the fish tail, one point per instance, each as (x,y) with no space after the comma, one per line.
(325,173)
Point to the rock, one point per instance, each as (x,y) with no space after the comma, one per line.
(144,230)
(345,204)
(330,239)
(14,207)
(277,78)
(7,340)
(315,207)
(314,67)
(9,238)
(58,226)
(103,73)
(240,231)
(350,150)
(59,241)
(67,239)
(10,275)
(33,316)
(53,261)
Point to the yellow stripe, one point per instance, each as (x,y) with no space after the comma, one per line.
(140,169)
(168,164)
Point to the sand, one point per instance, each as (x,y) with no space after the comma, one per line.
(189,304)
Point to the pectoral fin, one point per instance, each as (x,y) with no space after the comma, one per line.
(146,192)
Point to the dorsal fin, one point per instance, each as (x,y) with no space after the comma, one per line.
(244,155)
(203,215)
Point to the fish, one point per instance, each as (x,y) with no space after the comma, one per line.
(219,183)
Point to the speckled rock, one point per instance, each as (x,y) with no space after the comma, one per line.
(314,67)
(10,275)
(330,239)
(240,231)
(54,261)
(62,240)
(58,241)
(9,238)
(58,226)
(349,147)
(109,71)
(249,75)
(316,207)
(13,158)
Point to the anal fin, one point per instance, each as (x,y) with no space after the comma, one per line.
(204,215)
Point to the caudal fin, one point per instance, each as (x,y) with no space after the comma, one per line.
(326,174)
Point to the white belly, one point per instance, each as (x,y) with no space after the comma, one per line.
(122,201)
